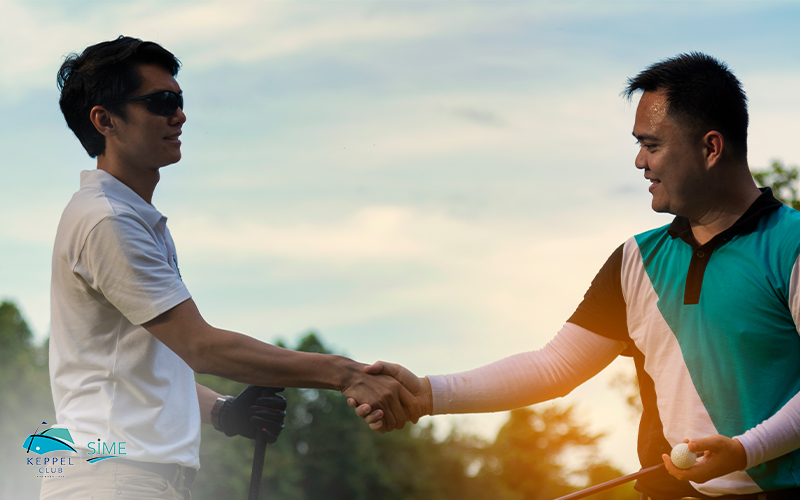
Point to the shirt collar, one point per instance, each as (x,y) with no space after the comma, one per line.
(764,204)
(114,188)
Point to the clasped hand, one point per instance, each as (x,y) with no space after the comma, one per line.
(414,392)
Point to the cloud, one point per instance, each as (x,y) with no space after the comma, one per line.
(374,233)
(429,260)
(209,33)
(258,31)
(480,116)
(217,33)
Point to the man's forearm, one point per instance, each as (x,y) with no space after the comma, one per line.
(572,357)
(245,359)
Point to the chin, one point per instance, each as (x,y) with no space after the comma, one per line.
(173,160)
(661,208)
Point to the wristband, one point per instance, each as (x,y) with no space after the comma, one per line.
(216,409)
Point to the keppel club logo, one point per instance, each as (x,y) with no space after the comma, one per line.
(51,440)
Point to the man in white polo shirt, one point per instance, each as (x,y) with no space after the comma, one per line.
(126,336)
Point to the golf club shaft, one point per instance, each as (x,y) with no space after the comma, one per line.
(610,484)
(258,464)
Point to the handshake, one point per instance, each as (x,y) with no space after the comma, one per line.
(387,395)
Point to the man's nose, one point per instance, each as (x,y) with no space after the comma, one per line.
(179,116)
(641,159)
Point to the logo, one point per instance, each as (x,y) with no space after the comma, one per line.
(114,449)
(59,442)
(53,439)
(49,441)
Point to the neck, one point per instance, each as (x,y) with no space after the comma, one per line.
(729,206)
(142,181)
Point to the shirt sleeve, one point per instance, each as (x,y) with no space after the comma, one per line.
(603,309)
(776,436)
(122,262)
(572,357)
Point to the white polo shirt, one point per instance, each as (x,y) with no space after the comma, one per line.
(114,268)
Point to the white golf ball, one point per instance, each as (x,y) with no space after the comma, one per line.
(682,457)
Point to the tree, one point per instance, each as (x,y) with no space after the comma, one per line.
(26,400)
(783,182)
(527,457)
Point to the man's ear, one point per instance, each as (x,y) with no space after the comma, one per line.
(713,145)
(104,121)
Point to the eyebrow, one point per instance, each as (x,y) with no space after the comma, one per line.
(643,137)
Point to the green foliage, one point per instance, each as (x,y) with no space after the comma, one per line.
(527,459)
(26,401)
(527,449)
(600,473)
(783,182)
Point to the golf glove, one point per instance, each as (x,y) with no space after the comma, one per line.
(256,408)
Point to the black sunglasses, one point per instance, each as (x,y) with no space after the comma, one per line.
(163,102)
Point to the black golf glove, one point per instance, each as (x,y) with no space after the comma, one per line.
(255,409)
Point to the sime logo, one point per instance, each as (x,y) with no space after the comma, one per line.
(102,450)
(48,441)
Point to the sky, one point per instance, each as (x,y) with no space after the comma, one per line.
(428,183)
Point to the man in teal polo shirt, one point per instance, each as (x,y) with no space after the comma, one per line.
(708,306)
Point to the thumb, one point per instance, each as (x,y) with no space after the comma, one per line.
(700,445)
(377,368)
(396,371)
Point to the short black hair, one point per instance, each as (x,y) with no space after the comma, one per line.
(701,91)
(102,75)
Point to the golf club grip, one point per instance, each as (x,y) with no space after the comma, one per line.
(609,484)
(258,464)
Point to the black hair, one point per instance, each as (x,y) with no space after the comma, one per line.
(102,75)
(702,92)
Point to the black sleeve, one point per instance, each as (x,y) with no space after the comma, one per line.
(603,308)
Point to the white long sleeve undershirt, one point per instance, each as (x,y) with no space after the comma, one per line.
(775,436)
(574,356)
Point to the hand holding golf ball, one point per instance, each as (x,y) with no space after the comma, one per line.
(720,455)
(682,457)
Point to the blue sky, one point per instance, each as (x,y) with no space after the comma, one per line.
(431,183)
